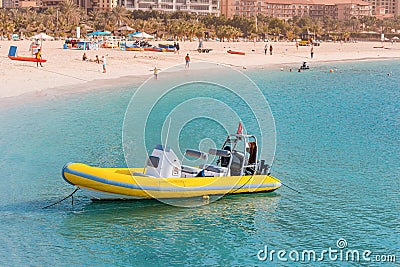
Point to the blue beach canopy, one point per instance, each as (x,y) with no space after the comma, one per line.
(98,33)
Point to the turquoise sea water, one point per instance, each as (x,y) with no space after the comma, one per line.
(337,143)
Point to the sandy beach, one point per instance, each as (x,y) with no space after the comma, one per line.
(65,68)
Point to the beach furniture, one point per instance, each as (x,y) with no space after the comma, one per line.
(203,50)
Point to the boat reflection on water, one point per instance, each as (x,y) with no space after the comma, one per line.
(140,219)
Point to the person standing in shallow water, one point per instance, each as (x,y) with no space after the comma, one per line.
(187,60)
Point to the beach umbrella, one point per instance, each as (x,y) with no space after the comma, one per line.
(125,28)
(395,38)
(141,35)
(42,36)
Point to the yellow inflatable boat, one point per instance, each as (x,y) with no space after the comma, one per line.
(236,170)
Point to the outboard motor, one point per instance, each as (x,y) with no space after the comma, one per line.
(163,163)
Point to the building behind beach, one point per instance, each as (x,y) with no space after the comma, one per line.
(287,9)
(385,8)
(86,4)
(201,7)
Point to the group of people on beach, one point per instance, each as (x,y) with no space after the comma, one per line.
(96,60)
(176,47)
(266,49)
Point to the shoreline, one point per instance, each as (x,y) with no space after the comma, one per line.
(69,74)
(136,81)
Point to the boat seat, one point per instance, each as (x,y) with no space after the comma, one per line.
(190,170)
(220,171)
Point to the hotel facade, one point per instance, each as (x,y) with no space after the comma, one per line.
(283,9)
(201,7)
(388,7)
(287,9)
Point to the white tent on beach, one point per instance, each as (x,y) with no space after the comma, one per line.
(141,35)
(42,36)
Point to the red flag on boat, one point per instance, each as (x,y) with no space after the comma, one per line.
(240,128)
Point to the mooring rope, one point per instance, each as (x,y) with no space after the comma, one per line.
(70,195)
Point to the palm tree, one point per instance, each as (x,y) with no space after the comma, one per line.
(96,19)
(17,18)
(71,13)
(50,18)
(120,15)
(6,25)
(220,32)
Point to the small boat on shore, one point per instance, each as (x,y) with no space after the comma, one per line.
(12,55)
(237,169)
(154,49)
(30,59)
(167,47)
(236,52)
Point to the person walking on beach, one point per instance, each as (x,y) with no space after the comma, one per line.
(155,71)
(270,50)
(39,57)
(97,60)
(177,48)
(265,48)
(312,51)
(104,64)
(297,46)
(187,60)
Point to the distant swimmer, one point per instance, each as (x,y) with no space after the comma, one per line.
(389,74)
